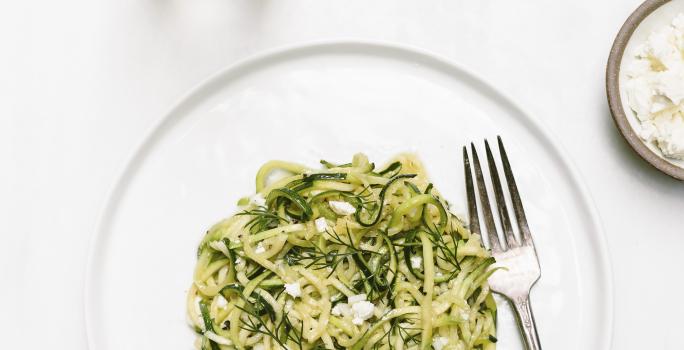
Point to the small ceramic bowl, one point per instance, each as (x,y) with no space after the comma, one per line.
(650,16)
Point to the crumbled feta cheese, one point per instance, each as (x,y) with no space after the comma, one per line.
(221,301)
(341,309)
(217,338)
(639,94)
(439,342)
(659,103)
(258,200)
(362,311)
(356,298)
(416,262)
(294,289)
(671,136)
(358,308)
(321,225)
(336,310)
(678,22)
(342,208)
(260,248)
(670,85)
(655,88)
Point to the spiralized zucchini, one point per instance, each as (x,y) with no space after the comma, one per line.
(347,257)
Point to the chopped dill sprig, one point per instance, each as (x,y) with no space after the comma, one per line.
(262,220)
(281,333)
(450,254)
(402,331)
(320,258)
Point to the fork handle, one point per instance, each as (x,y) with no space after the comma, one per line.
(526,322)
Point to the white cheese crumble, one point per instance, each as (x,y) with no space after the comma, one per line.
(221,301)
(356,298)
(358,309)
(362,311)
(342,208)
(321,225)
(439,342)
(293,289)
(655,89)
(416,262)
(341,309)
(260,248)
(258,200)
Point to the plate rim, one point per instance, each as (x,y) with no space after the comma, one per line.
(613,91)
(139,151)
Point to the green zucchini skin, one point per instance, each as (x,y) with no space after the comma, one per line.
(383,192)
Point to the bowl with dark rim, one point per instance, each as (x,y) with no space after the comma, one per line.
(646,18)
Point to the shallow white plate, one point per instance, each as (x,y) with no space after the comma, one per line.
(330,100)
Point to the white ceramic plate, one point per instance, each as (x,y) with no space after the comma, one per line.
(330,100)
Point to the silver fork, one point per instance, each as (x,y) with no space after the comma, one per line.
(518,259)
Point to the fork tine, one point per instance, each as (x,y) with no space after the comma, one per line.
(515,197)
(509,237)
(473,219)
(486,207)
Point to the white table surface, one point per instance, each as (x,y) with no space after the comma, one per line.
(81,83)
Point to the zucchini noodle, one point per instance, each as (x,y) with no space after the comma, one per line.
(345,257)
